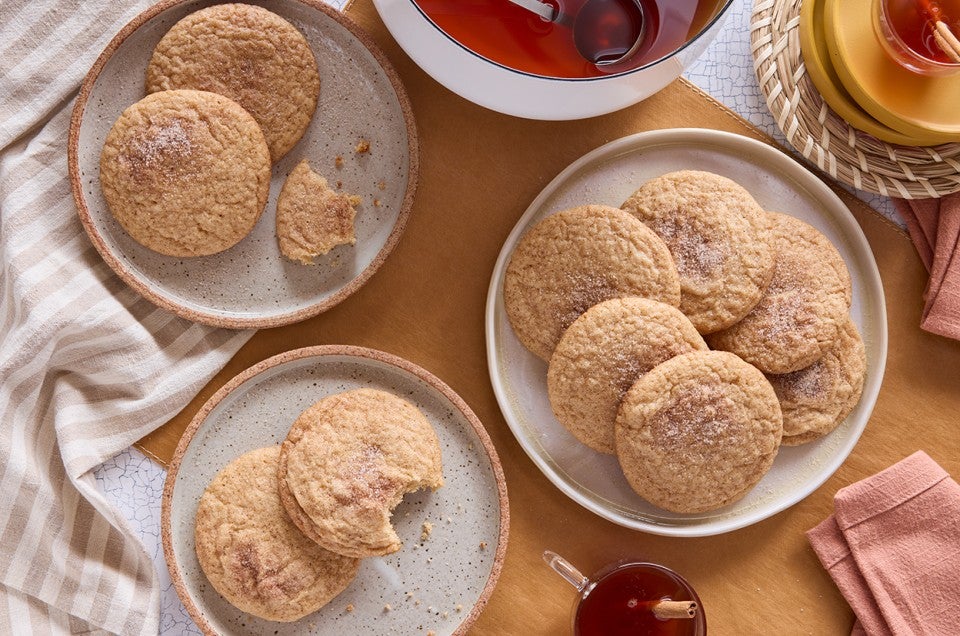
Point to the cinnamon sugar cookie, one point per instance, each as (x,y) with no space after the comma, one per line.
(186,173)
(799,317)
(252,56)
(312,218)
(817,398)
(347,462)
(719,238)
(253,555)
(603,353)
(698,431)
(576,258)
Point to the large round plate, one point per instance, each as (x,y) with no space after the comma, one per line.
(439,584)
(252,284)
(608,175)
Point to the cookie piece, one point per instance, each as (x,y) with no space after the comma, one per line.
(249,54)
(347,462)
(186,173)
(253,555)
(312,218)
(698,431)
(573,260)
(799,317)
(719,238)
(603,353)
(817,398)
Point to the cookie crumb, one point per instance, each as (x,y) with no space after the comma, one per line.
(459,607)
(431,633)
(427,528)
(363,146)
(445,614)
(349,607)
(339,184)
(376,203)
(338,161)
(382,185)
(483,545)
(417,602)
(386,607)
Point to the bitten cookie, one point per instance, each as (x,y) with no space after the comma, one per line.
(573,260)
(249,54)
(347,462)
(186,173)
(817,398)
(698,431)
(312,218)
(719,238)
(799,317)
(251,552)
(603,353)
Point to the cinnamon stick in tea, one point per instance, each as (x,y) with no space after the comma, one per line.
(674,609)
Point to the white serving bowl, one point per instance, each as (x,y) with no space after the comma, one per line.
(512,92)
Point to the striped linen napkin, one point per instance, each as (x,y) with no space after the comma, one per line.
(86,366)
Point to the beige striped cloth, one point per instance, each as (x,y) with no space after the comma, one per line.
(86,366)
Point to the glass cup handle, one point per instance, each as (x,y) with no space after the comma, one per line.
(564,568)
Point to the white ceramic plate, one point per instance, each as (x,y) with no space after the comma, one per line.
(438,585)
(252,284)
(505,90)
(608,175)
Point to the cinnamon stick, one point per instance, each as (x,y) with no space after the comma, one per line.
(674,609)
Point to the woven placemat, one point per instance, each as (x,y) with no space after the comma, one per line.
(821,135)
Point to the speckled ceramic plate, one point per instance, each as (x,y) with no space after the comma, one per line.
(439,584)
(252,284)
(608,175)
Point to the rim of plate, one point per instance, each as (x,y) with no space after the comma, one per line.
(211,317)
(320,351)
(874,289)
(484,81)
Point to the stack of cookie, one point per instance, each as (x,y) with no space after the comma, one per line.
(186,170)
(623,303)
(280,531)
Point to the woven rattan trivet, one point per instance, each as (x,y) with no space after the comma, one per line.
(821,135)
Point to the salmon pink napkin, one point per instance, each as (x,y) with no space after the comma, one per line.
(893,549)
(934,226)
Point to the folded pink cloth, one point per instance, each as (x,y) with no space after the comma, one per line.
(934,226)
(893,549)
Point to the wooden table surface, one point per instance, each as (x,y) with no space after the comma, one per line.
(479,171)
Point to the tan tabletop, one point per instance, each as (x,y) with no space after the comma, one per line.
(479,171)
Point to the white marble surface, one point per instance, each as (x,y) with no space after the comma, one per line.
(134,483)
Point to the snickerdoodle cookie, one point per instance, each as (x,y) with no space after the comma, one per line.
(251,55)
(186,173)
(312,218)
(251,552)
(719,238)
(573,260)
(603,353)
(799,317)
(698,431)
(817,398)
(347,462)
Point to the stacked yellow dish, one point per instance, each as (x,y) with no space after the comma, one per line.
(866,86)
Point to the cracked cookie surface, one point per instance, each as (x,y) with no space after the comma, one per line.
(719,238)
(698,431)
(799,317)
(185,173)
(347,462)
(603,353)
(249,54)
(252,553)
(576,258)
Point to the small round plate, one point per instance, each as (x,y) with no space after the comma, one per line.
(816,57)
(608,175)
(908,102)
(252,284)
(437,584)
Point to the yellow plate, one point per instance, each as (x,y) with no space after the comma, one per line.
(912,104)
(816,60)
